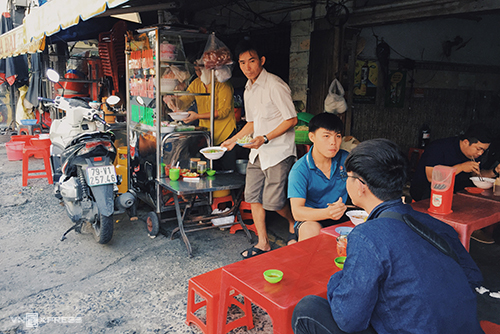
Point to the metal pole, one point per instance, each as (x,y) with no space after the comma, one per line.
(212,118)
(212,110)
(158,107)
(128,99)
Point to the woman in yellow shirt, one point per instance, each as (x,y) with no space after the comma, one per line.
(224,122)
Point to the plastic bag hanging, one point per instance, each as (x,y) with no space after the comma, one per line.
(334,101)
(217,56)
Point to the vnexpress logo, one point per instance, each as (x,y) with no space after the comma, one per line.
(31,320)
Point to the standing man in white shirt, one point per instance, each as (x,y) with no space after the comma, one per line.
(271,117)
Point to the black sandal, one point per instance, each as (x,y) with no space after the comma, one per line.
(292,236)
(252,251)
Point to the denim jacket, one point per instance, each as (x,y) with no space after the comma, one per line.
(398,282)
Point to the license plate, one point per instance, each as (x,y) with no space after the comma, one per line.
(97,176)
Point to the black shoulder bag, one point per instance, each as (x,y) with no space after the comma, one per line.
(422,230)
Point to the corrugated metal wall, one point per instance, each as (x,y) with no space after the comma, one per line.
(446,111)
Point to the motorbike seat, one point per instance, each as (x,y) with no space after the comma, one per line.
(91,135)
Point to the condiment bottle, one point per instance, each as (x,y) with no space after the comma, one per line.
(202,167)
(193,164)
(496,187)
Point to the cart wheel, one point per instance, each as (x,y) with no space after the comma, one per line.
(152,224)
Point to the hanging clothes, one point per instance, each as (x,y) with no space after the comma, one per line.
(12,69)
(36,88)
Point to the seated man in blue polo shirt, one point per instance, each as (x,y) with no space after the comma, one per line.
(316,183)
(405,271)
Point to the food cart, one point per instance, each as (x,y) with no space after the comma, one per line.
(157,66)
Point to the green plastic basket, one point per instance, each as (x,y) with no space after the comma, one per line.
(304,118)
(302,137)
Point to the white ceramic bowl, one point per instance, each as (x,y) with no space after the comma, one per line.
(178,116)
(209,154)
(168,129)
(357,216)
(487,182)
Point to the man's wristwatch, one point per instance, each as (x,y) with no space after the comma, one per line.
(265,139)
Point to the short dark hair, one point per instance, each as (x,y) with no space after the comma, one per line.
(477,133)
(245,45)
(330,122)
(382,165)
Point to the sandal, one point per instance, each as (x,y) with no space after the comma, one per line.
(252,251)
(292,236)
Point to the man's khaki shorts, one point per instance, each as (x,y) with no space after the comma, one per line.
(268,187)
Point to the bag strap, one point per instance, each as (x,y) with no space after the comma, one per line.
(425,232)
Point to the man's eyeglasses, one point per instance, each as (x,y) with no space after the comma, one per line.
(344,177)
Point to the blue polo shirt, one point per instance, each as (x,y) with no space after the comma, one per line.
(308,181)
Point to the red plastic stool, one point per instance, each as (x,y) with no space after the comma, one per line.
(207,286)
(41,147)
(27,141)
(221,200)
(246,211)
(246,214)
(25,138)
(29,129)
(237,227)
(489,327)
(245,320)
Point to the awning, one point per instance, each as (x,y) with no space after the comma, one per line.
(49,19)
(14,43)
(55,15)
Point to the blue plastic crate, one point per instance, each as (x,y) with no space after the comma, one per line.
(28,121)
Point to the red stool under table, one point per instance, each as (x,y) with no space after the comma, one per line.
(246,211)
(221,200)
(207,286)
(246,214)
(237,227)
(39,147)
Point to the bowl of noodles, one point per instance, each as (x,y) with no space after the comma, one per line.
(213,152)
(357,216)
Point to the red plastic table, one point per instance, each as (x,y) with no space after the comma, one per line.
(306,266)
(330,230)
(470,213)
(486,194)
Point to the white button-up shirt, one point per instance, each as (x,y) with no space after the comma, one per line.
(268,103)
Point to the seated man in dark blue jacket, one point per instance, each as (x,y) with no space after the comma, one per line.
(394,280)
(462,152)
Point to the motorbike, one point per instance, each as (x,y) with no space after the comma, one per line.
(82,155)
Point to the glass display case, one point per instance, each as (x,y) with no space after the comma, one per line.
(158,69)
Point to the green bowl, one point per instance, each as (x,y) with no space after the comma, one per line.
(211,172)
(339,262)
(273,275)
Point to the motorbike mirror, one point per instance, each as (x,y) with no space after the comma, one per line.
(140,100)
(53,75)
(112,100)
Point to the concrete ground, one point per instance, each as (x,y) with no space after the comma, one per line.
(134,284)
